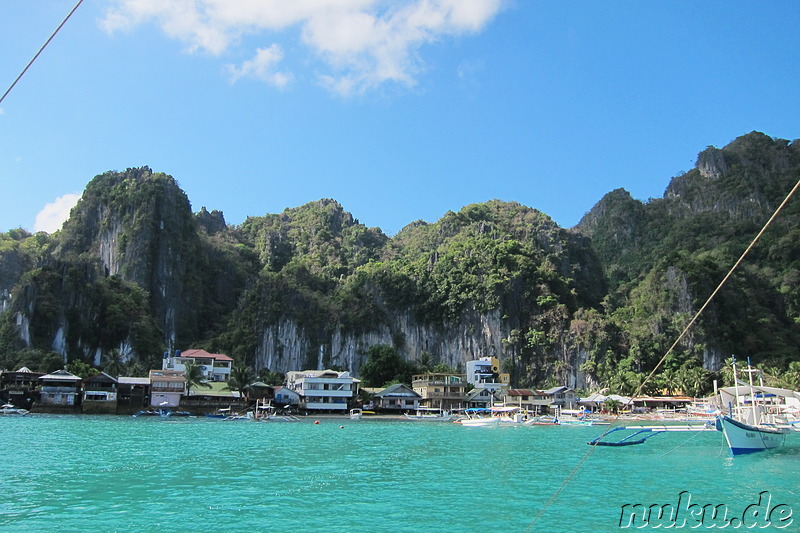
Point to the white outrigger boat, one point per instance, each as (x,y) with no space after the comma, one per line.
(757,417)
(10,410)
(475,418)
(508,414)
(430,414)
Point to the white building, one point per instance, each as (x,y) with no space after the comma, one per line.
(166,388)
(323,390)
(216,366)
(484,373)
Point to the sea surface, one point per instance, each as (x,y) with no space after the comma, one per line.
(116,473)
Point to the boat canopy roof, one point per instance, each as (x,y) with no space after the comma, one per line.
(743,390)
(599,398)
(504,409)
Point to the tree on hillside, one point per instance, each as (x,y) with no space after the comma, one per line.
(81,369)
(269,377)
(383,365)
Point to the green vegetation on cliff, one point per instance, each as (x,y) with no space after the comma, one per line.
(135,272)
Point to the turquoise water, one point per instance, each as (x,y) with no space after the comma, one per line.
(85,473)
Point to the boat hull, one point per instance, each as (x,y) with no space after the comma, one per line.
(743,438)
(430,418)
(13,412)
(480,422)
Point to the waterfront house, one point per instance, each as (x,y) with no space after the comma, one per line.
(261,392)
(215,366)
(525,399)
(285,397)
(323,390)
(218,396)
(440,390)
(542,401)
(99,394)
(561,397)
(166,387)
(480,398)
(396,398)
(133,394)
(644,404)
(59,389)
(597,401)
(20,388)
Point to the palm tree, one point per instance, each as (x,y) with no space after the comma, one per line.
(612,405)
(792,376)
(635,382)
(616,382)
(727,372)
(240,379)
(425,362)
(669,380)
(693,380)
(194,376)
(112,363)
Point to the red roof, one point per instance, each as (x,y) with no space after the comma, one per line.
(202,354)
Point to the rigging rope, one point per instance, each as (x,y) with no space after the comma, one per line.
(682,444)
(668,352)
(40,51)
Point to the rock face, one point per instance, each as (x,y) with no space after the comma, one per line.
(711,163)
(711,211)
(141,227)
(286,345)
(135,270)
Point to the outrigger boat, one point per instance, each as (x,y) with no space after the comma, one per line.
(508,414)
(474,418)
(757,420)
(10,410)
(745,438)
(641,433)
(430,414)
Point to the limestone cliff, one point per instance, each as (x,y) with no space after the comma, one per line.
(134,270)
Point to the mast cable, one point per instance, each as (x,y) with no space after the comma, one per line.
(668,352)
(40,51)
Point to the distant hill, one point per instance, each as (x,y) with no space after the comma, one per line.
(135,272)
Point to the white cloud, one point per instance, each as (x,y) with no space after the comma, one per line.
(363,43)
(53,215)
(262,66)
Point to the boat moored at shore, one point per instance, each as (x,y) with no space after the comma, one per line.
(430,414)
(10,410)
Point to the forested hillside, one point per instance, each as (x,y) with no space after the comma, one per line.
(134,272)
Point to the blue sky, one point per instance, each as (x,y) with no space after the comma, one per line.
(399,110)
